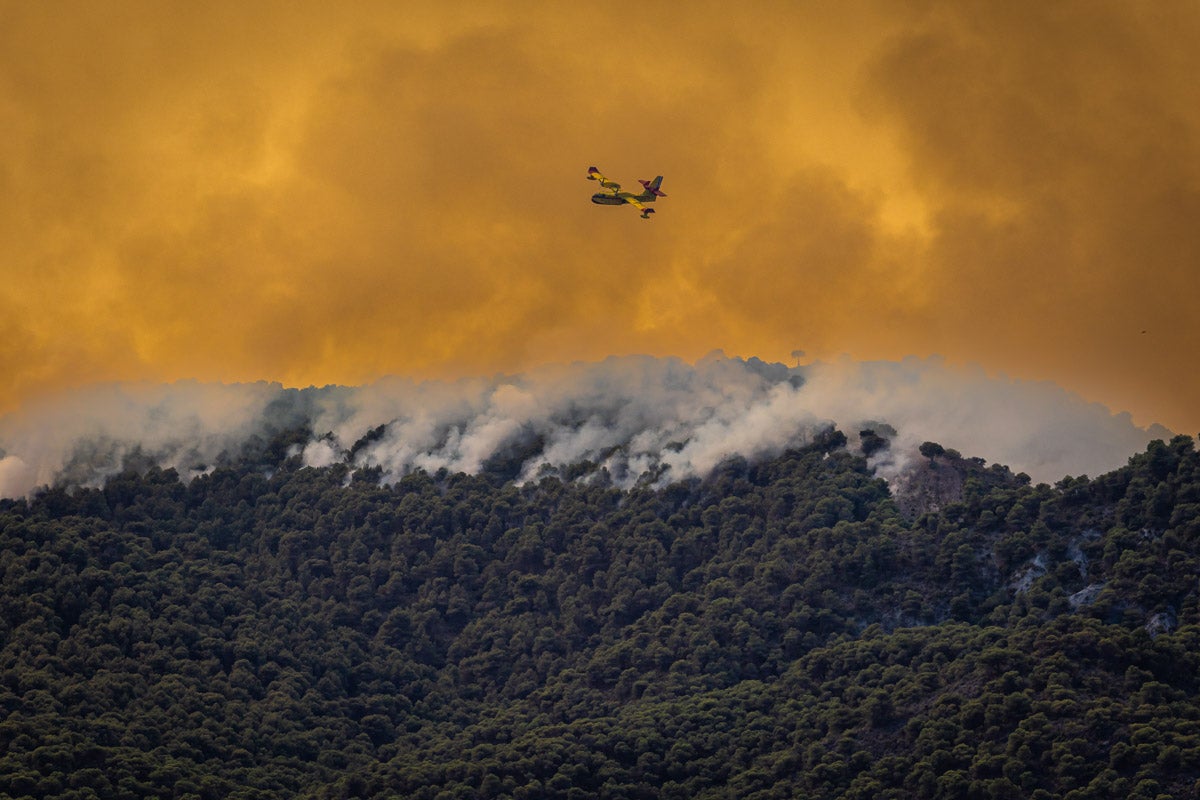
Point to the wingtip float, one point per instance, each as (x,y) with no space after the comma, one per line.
(613,196)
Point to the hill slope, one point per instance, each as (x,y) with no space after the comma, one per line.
(779,629)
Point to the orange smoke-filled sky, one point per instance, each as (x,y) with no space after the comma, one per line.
(320,193)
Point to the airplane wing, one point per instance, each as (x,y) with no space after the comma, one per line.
(595,175)
(639,205)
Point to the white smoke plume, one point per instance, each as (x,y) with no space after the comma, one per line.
(84,437)
(631,416)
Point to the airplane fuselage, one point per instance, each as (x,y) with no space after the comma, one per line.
(610,199)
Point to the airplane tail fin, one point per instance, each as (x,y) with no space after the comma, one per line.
(652,186)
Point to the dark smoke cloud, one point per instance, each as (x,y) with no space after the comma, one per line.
(1056,148)
(316,194)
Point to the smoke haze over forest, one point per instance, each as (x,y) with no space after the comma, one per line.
(631,416)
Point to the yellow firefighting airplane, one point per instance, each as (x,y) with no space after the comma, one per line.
(615,197)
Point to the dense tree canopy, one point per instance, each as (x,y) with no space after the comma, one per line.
(779,629)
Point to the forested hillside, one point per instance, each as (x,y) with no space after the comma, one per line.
(781,629)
